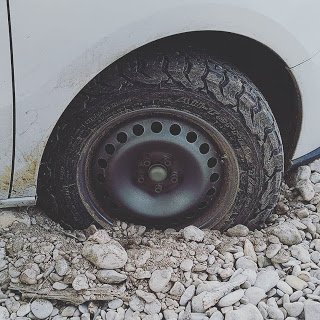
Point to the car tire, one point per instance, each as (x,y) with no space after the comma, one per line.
(199,94)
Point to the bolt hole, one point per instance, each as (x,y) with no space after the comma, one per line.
(138,129)
(211,192)
(212,162)
(192,137)
(102,163)
(174,179)
(156,127)
(214,177)
(110,148)
(100,177)
(141,179)
(204,148)
(147,163)
(122,137)
(202,205)
(175,129)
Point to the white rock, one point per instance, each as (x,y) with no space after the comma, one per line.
(246,263)
(301,253)
(238,231)
(110,255)
(186,265)
(110,276)
(146,296)
(311,310)
(80,282)
(136,304)
(316,188)
(284,287)
(86,316)
(41,308)
(255,295)
(29,275)
(231,298)
(267,279)
(315,256)
(170,314)
(217,315)
(251,276)
(245,312)
(302,213)
(296,296)
(287,233)
(7,218)
(62,267)
(115,304)
(159,279)
(192,233)
(196,316)
(142,258)
(4,313)
(248,250)
(275,313)
(206,300)
(295,282)
(153,317)
(187,295)
(306,189)
(153,307)
(294,309)
(59,286)
(100,236)
(23,310)
(68,311)
(316,243)
(111,315)
(198,301)
(273,249)
(282,256)
(303,173)
(315,177)
(177,289)
(315,165)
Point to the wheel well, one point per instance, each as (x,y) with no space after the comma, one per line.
(265,68)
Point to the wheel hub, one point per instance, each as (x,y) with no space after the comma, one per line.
(154,167)
(157,173)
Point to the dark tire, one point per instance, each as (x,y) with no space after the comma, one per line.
(194,83)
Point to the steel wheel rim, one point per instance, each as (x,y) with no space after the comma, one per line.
(197,168)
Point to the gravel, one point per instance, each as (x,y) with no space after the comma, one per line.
(128,272)
(41,309)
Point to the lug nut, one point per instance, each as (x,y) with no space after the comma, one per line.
(146,160)
(167,162)
(141,179)
(158,188)
(174,177)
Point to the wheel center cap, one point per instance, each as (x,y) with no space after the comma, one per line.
(157,173)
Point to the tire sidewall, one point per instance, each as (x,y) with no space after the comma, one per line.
(225,119)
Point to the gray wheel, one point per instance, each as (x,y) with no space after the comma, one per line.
(164,140)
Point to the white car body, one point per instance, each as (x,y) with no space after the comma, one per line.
(57,47)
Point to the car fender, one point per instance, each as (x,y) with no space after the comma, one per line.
(55,61)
